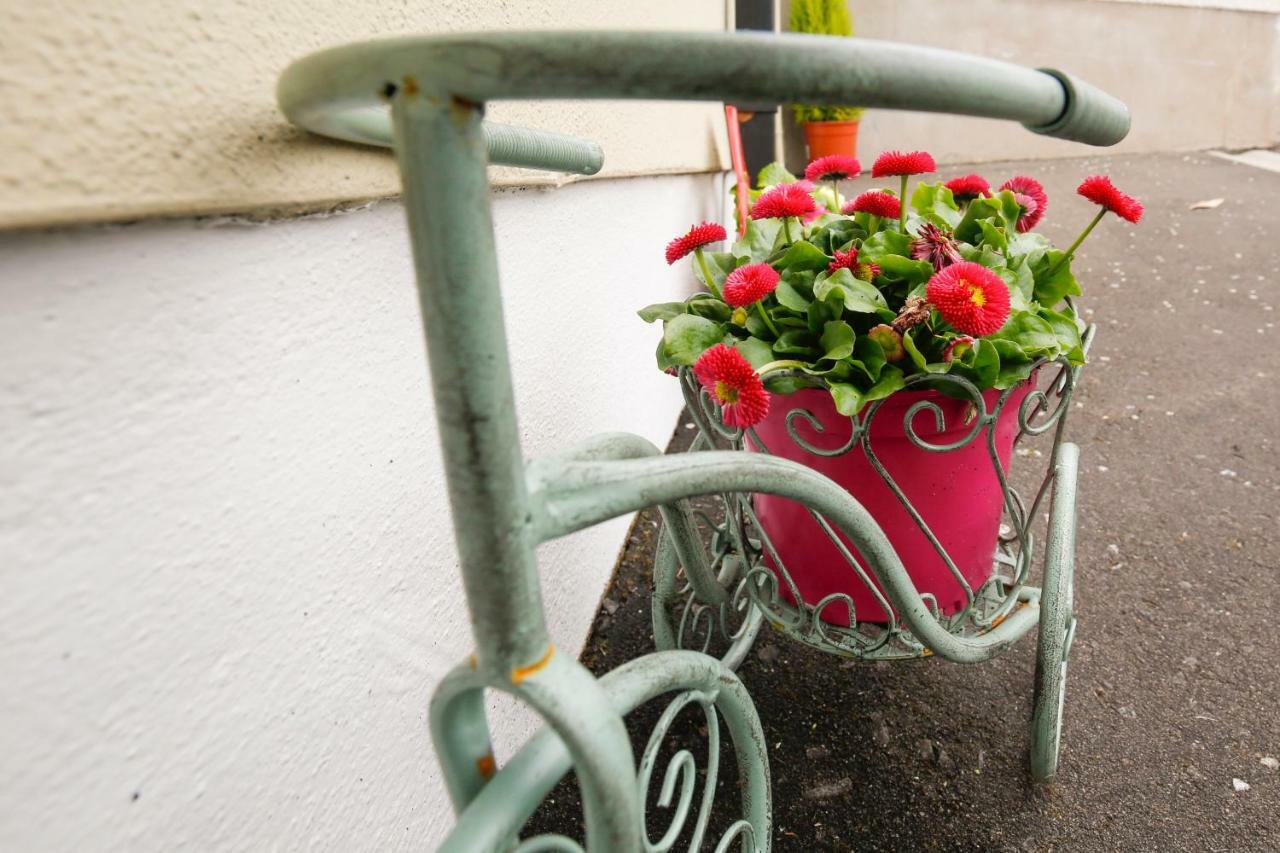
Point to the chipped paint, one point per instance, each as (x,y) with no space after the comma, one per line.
(520,673)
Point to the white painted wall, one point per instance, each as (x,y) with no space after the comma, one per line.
(227,581)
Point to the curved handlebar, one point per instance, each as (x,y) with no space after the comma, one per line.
(341,92)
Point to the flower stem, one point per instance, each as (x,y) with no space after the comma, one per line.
(1066,258)
(764,315)
(902,206)
(835,196)
(783,364)
(706,273)
(786,229)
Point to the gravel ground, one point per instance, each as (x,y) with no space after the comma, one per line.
(1175,673)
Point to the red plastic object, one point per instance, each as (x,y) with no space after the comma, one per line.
(739,160)
(957,493)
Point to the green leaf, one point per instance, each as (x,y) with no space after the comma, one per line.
(756,351)
(890,380)
(758,241)
(794,343)
(912,271)
(773,173)
(664,362)
(909,344)
(1021,283)
(661,311)
(790,297)
(848,398)
(853,294)
(884,243)
(935,203)
(720,264)
(1064,326)
(917,356)
(981,365)
(1034,336)
(802,255)
(686,337)
(1012,374)
(870,355)
(705,305)
(1000,211)
(993,236)
(838,234)
(1028,243)
(1051,289)
(837,340)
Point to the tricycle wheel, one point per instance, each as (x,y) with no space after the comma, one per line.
(682,620)
(1057,627)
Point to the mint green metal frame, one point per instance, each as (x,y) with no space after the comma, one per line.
(436,88)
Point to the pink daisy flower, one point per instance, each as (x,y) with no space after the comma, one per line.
(1099,190)
(1031,196)
(968,187)
(749,284)
(972,298)
(782,201)
(876,203)
(894,163)
(833,167)
(698,236)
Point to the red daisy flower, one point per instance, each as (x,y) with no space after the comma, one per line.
(957,347)
(935,246)
(903,163)
(698,236)
(876,203)
(734,384)
(866,271)
(783,200)
(833,167)
(968,187)
(1030,195)
(1099,190)
(972,298)
(749,284)
(844,260)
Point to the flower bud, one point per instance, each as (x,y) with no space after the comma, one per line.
(957,348)
(889,341)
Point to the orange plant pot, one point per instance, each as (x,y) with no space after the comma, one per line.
(831,137)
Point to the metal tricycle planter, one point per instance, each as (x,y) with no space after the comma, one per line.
(751,583)
(503,508)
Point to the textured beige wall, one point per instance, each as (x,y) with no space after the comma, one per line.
(1195,77)
(123,110)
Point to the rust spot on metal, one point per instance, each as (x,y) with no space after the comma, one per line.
(927,653)
(462,110)
(486,766)
(520,673)
(410,86)
(473,663)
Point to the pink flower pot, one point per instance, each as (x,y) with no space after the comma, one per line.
(957,493)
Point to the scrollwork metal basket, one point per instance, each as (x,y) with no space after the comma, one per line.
(717,604)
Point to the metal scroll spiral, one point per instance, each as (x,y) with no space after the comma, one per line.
(701,626)
(680,782)
(1041,411)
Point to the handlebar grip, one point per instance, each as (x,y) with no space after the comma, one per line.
(1090,115)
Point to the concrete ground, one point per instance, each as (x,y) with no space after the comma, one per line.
(1172,699)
